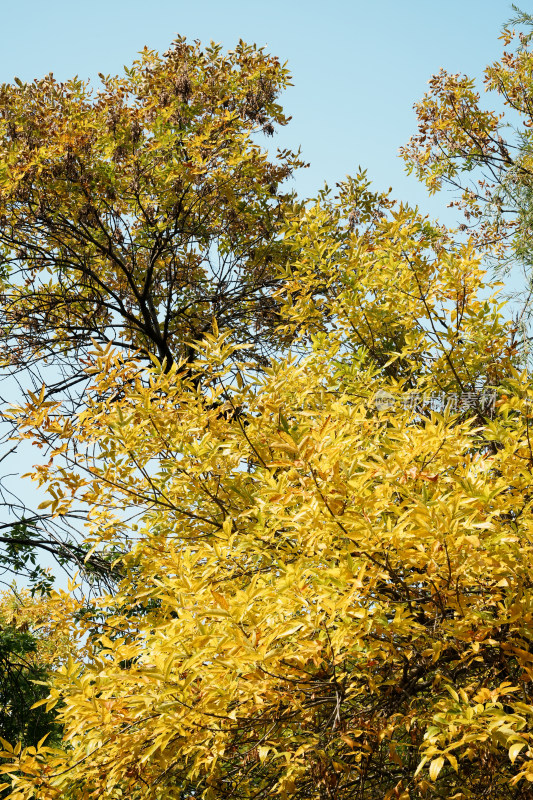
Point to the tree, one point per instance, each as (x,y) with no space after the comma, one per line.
(136,215)
(484,155)
(32,644)
(336,590)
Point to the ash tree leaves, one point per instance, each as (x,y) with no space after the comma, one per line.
(138,212)
(30,646)
(481,149)
(317,595)
(322,598)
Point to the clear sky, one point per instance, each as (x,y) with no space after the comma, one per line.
(357,67)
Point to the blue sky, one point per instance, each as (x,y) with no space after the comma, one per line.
(358,67)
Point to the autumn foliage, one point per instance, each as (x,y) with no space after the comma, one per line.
(135,213)
(321,598)
(478,145)
(321,595)
(34,639)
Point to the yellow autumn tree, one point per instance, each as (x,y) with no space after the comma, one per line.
(478,145)
(327,591)
(136,211)
(34,640)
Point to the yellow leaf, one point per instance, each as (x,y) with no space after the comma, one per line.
(263,753)
(435,767)
(40,703)
(515,749)
(453,761)
(221,600)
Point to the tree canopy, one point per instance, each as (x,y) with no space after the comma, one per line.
(322,547)
(481,150)
(32,643)
(327,597)
(136,214)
